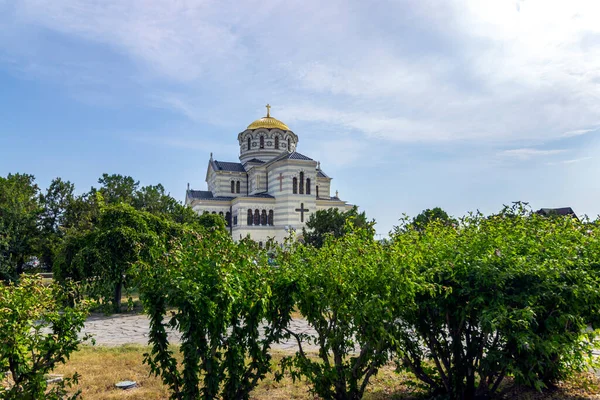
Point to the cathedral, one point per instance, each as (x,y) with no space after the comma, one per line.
(271,191)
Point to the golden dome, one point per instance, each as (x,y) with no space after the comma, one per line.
(268,122)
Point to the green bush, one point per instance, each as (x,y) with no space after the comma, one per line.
(351,293)
(38,333)
(215,293)
(511,294)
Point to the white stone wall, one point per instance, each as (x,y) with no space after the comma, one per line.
(324,187)
(269,151)
(219,183)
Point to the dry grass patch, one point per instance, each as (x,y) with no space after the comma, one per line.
(101,367)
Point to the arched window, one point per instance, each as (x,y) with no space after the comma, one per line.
(228,218)
(317,188)
(271,217)
(256,217)
(235,220)
(260,245)
(301,182)
(232,187)
(277,142)
(221,213)
(237,187)
(214,212)
(295,185)
(307,185)
(262,142)
(289,145)
(249,222)
(263,217)
(249,142)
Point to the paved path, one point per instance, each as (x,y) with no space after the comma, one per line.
(133,329)
(121,329)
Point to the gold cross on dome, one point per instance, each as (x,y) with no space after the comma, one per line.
(268,110)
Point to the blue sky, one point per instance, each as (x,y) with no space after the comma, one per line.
(462,104)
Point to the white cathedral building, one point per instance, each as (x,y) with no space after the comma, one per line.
(271,191)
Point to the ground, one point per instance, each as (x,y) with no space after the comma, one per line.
(121,341)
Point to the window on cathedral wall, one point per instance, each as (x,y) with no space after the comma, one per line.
(271,222)
(228,218)
(307,185)
(295,185)
(232,187)
(237,187)
(262,142)
(249,143)
(256,217)
(289,145)
(250,218)
(317,189)
(277,142)
(235,220)
(263,217)
(301,182)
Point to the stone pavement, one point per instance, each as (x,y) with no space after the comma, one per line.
(121,329)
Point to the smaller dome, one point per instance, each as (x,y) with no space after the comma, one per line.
(268,122)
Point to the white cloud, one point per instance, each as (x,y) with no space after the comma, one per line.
(529,153)
(579,132)
(572,161)
(477,70)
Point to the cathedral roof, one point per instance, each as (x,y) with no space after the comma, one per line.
(206,195)
(263,195)
(268,122)
(321,174)
(228,166)
(255,160)
(291,156)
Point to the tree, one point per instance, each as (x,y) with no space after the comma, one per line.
(38,333)
(432,214)
(102,257)
(351,296)
(19,223)
(333,222)
(117,188)
(219,295)
(56,201)
(507,294)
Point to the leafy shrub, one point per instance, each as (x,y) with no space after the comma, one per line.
(219,293)
(102,258)
(350,292)
(37,334)
(512,294)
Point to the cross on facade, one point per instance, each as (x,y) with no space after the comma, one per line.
(280,179)
(268,110)
(301,210)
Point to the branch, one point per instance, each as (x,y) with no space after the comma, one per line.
(295,335)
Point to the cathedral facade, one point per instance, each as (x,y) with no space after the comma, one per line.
(271,191)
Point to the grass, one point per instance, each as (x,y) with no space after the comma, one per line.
(101,367)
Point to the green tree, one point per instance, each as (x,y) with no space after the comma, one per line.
(351,296)
(432,214)
(117,189)
(507,294)
(55,202)
(38,333)
(219,295)
(19,223)
(102,257)
(333,222)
